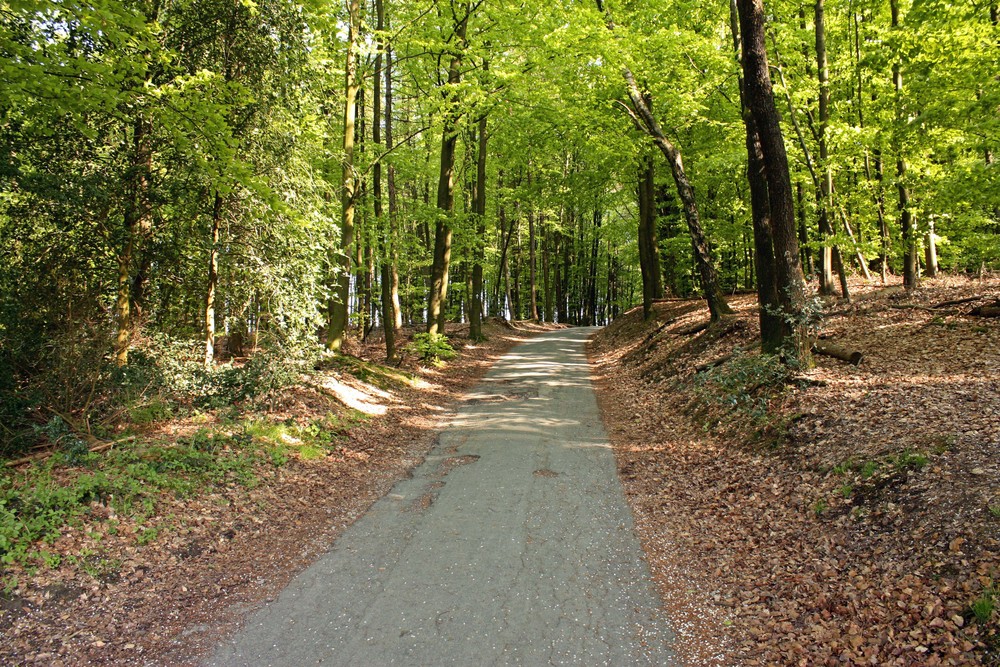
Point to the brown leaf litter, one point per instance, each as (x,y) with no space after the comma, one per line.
(861,525)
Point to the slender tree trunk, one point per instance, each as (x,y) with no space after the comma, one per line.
(337,325)
(930,250)
(532,272)
(546,270)
(479,210)
(649,255)
(389,279)
(591,314)
(136,220)
(436,303)
(213,280)
(826,177)
(717,305)
(807,257)
(760,100)
(906,222)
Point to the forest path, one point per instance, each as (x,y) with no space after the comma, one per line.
(512,544)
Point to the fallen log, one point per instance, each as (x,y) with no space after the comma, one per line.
(701,368)
(103,446)
(829,349)
(986,311)
(955,302)
(693,329)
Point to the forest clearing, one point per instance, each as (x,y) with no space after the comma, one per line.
(253,253)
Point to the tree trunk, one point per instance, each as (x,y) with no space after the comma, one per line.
(213,280)
(591,313)
(771,334)
(930,250)
(391,314)
(649,255)
(479,210)
(547,253)
(436,303)
(760,99)
(136,219)
(906,223)
(337,325)
(826,179)
(645,120)
(531,266)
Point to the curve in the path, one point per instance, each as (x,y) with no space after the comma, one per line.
(512,544)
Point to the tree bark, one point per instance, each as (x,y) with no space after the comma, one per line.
(391,314)
(930,250)
(479,210)
(136,219)
(436,311)
(910,264)
(649,254)
(826,179)
(213,280)
(760,99)
(532,272)
(767,288)
(717,305)
(338,307)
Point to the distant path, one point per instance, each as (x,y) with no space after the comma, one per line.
(511,545)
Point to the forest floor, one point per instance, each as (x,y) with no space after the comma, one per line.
(163,589)
(840,515)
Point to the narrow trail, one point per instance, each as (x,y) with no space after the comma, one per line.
(512,544)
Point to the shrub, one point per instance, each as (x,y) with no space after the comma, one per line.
(433,348)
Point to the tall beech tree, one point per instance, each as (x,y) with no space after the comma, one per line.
(460,14)
(766,124)
(340,300)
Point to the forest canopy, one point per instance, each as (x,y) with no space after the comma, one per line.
(183,181)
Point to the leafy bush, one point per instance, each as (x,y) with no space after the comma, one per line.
(745,384)
(433,348)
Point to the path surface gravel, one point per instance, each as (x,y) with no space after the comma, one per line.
(512,544)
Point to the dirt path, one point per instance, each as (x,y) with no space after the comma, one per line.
(511,544)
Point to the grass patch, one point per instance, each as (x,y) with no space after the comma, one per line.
(38,503)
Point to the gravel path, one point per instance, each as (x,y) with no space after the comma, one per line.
(512,544)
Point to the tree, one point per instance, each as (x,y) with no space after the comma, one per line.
(766,123)
(339,302)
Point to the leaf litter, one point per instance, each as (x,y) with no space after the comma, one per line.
(854,517)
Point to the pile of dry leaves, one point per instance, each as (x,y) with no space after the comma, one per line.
(844,515)
(216,556)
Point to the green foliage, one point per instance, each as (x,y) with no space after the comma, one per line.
(433,348)
(744,386)
(985,605)
(36,504)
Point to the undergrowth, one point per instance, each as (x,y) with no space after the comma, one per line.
(740,392)
(75,486)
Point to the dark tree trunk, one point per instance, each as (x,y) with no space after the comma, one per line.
(649,252)
(479,210)
(532,272)
(337,323)
(771,333)
(645,120)
(911,265)
(760,100)
(213,279)
(826,178)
